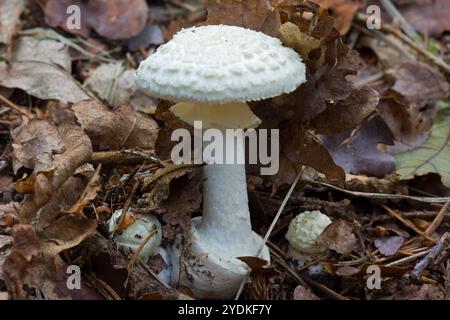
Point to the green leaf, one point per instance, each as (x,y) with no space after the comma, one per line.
(431,157)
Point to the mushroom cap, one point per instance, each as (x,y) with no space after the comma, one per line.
(305,229)
(220,64)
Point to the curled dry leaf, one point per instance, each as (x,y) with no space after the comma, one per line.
(327,90)
(175,192)
(10,12)
(339,237)
(89,193)
(389,246)
(65,233)
(347,114)
(343,12)
(257,15)
(65,198)
(65,149)
(28,266)
(408,107)
(41,67)
(118,128)
(305,149)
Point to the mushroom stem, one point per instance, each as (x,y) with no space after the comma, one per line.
(226,217)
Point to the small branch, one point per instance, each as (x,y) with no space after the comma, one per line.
(395,14)
(15,107)
(407,223)
(124,157)
(437,220)
(420,267)
(383,195)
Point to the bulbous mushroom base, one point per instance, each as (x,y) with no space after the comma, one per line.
(206,271)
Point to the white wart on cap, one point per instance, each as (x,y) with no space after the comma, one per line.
(221,64)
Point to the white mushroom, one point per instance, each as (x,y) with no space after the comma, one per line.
(212,71)
(303,232)
(136,233)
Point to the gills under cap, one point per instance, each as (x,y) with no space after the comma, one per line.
(221,64)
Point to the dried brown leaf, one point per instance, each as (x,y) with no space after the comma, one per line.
(258,15)
(73,148)
(339,237)
(65,233)
(118,128)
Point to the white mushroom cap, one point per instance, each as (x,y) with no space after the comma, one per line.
(133,236)
(305,229)
(221,64)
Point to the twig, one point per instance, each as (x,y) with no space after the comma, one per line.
(395,14)
(408,259)
(106,287)
(15,107)
(407,223)
(383,195)
(141,246)
(269,231)
(126,206)
(437,220)
(420,267)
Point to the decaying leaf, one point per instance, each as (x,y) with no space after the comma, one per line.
(174,191)
(115,20)
(327,90)
(65,233)
(304,149)
(339,237)
(118,128)
(343,12)
(41,67)
(431,157)
(6,243)
(112,83)
(27,266)
(89,194)
(358,153)
(258,15)
(429,17)
(389,246)
(63,150)
(347,114)
(301,293)
(10,12)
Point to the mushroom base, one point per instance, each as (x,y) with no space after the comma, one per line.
(205,271)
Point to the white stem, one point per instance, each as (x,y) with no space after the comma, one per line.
(226,216)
